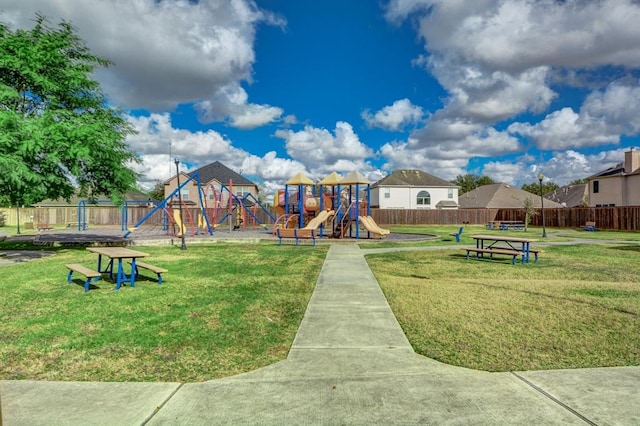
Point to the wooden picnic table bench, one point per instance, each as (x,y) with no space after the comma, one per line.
(296,233)
(90,274)
(155,269)
(589,226)
(42,226)
(509,246)
(505,225)
(114,265)
(503,251)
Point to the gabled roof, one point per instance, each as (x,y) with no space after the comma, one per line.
(221,173)
(500,196)
(618,169)
(569,196)
(408,177)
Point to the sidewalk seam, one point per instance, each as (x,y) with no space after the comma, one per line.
(556,400)
(162,404)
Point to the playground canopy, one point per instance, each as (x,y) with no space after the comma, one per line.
(354,178)
(333,179)
(299,179)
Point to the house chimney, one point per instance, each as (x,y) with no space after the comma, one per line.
(631,160)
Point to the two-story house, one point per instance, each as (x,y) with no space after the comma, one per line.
(414,189)
(212,178)
(618,185)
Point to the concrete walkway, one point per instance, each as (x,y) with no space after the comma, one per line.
(350,363)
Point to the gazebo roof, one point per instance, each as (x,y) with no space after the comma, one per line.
(331,180)
(354,178)
(299,179)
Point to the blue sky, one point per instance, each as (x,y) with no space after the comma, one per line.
(504,88)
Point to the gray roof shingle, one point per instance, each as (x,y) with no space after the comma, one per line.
(408,177)
(569,196)
(500,196)
(221,173)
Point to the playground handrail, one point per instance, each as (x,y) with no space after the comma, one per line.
(163,203)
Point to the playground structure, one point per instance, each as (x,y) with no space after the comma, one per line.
(172,218)
(239,212)
(336,207)
(224,206)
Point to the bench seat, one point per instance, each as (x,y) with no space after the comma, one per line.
(44,226)
(90,274)
(296,233)
(457,234)
(589,226)
(153,268)
(503,251)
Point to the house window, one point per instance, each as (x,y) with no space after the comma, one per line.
(184,193)
(387,193)
(242,192)
(450,193)
(210,193)
(424,198)
(596,186)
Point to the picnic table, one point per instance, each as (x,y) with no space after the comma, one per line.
(510,246)
(117,255)
(504,225)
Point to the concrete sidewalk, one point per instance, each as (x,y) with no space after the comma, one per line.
(350,363)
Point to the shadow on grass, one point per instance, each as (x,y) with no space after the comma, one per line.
(627,248)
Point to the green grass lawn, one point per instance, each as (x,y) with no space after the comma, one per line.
(230,308)
(579,306)
(223,309)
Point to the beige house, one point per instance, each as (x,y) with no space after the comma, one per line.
(212,179)
(618,185)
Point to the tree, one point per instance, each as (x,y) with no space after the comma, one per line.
(578,181)
(470,182)
(157,192)
(534,187)
(529,211)
(58,136)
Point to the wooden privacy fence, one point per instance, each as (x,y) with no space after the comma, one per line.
(432,217)
(614,218)
(109,215)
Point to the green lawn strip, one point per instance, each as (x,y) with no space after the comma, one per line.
(578,307)
(223,309)
(442,232)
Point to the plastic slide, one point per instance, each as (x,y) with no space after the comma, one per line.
(321,218)
(178,220)
(371,226)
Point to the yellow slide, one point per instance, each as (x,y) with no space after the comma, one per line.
(371,226)
(178,220)
(321,218)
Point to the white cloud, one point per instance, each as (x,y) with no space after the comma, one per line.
(319,149)
(166,53)
(232,102)
(158,143)
(394,117)
(448,139)
(399,156)
(498,59)
(563,167)
(604,116)
(567,166)
(508,172)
